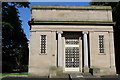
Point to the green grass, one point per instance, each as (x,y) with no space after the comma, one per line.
(8,74)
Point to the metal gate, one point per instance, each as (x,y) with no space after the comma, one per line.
(72,54)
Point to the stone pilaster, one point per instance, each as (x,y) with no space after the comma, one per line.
(111,50)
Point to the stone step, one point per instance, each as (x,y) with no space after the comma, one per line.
(86,74)
(76,76)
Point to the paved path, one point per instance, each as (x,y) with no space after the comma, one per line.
(79,76)
(25,78)
(72,77)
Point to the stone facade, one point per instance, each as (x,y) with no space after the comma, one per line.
(72,38)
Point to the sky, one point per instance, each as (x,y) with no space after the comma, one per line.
(25,13)
(60,0)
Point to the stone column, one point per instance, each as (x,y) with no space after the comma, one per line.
(60,48)
(85,44)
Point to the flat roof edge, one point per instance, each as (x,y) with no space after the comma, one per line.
(79,7)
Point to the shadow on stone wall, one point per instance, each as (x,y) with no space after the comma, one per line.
(117,48)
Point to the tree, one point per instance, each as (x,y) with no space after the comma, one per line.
(14,41)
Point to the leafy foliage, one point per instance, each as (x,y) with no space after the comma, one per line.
(14,41)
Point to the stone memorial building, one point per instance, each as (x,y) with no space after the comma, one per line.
(72,38)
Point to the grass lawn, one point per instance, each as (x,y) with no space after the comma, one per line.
(8,74)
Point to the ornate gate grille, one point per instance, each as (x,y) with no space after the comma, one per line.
(71,53)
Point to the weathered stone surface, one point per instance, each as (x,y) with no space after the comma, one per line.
(92,20)
(95,71)
(74,13)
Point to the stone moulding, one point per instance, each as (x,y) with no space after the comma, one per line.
(70,23)
(73,22)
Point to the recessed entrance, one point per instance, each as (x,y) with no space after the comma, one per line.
(72,52)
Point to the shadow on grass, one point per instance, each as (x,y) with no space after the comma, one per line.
(23,78)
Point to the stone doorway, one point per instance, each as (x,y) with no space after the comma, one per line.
(72,51)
